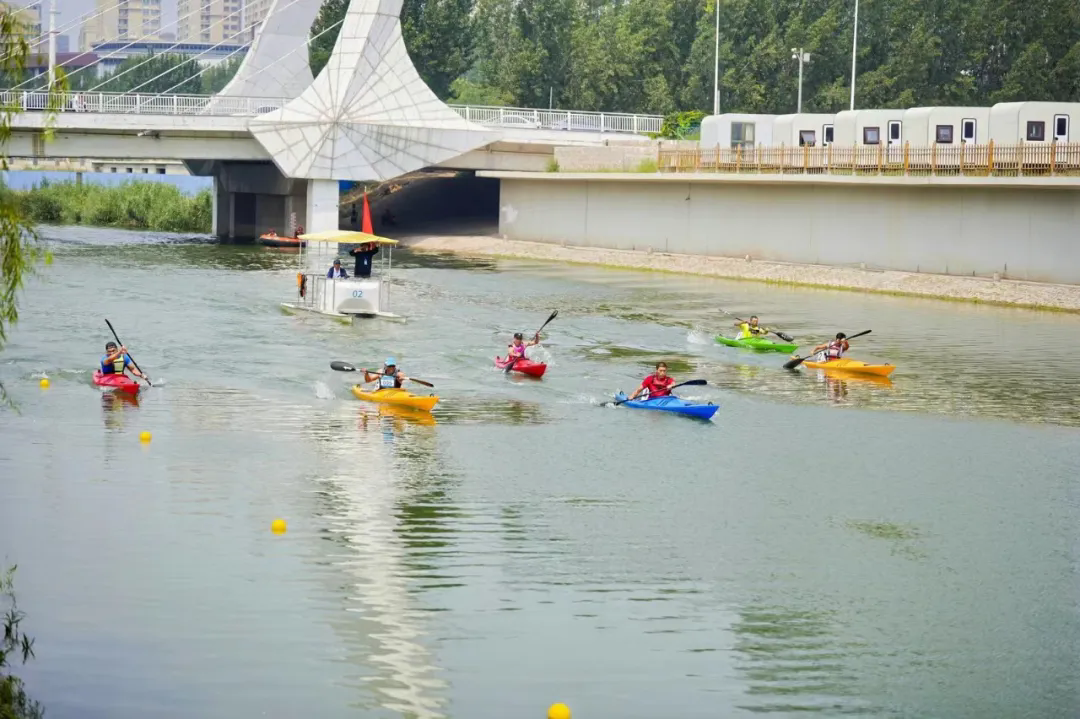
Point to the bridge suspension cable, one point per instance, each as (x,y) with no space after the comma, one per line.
(71,25)
(306,44)
(192,58)
(135,42)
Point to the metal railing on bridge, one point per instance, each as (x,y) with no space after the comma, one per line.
(1024,159)
(220,105)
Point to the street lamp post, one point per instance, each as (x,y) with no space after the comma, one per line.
(854,46)
(803,57)
(716,69)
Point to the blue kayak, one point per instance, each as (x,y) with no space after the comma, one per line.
(671,404)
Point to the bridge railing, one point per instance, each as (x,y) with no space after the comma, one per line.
(126,103)
(526,118)
(1024,159)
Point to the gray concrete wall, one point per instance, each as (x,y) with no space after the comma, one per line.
(1025,233)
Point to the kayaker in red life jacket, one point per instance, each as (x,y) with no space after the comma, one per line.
(658,384)
(116,361)
(834,350)
(519,345)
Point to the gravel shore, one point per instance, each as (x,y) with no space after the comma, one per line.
(1015,293)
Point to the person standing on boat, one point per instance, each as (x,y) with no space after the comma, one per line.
(390,377)
(337,272)
(658,384)
(116,361)
(833,350)
(750,329)
(363,255)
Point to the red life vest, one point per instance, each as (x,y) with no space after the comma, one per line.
(657,387)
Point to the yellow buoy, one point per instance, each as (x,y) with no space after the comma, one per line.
(44,383)
(558,711)
(278,526)
(145,436)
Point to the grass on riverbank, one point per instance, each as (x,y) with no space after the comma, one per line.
(154,206)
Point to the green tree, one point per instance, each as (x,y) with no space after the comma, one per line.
(19,248)
(217,77)
(324,33)
(15,645)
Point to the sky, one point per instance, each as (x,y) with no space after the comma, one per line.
(70,11)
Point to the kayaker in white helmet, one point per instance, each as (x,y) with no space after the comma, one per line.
(658,384)
(116,361)
(518,346)
(750,329)
(390,377)
(833,350)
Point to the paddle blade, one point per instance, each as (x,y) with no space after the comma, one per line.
(784,336)
(792,364)
(548,321)
(865,332)
(342,367)
(420,381)
(691,382)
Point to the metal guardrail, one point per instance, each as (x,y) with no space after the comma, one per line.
(1025,159)
(221,105)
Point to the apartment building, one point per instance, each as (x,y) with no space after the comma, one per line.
(29,16)
(255,14)
(121,20)
(210,21)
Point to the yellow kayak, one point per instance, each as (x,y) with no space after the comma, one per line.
(849,365)
(400,397)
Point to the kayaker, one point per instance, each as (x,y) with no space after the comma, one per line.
(363,255)
(835,349)
(519,345)
(751,329)
(658,384)
(116,361)
(337,271)
(390,377)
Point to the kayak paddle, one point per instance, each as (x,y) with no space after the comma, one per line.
(782,335)
(549,319)
(792,364)
(346,367)
(681,384)
(136,364)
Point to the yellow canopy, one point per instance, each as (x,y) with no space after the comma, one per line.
(346,236)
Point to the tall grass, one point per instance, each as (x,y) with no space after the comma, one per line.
(133,205)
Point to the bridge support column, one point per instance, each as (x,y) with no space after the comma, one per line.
(221,210)
(323,198)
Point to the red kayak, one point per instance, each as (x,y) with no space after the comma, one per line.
(524,366)
(116,381)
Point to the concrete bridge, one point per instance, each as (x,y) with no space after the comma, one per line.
(276,140)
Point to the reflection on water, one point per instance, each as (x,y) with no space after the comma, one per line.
(383,627)
(114,407)
(793,662)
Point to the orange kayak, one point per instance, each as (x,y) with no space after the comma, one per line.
(849,365)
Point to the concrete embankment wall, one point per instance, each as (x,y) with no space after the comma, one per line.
(958,226)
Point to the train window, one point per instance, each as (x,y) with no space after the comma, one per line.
(943,135)
(807,138)
(871,136)
(827,135)
(1036,131)
(1061,128)
(967,130)
(894,131)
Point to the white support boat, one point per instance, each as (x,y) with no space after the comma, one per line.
(341,297)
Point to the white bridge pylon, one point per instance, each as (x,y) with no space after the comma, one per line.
(367,116)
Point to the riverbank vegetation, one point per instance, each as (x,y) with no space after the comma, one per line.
(656,56)
(15,645)
(155,206)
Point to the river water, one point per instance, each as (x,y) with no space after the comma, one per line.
(903,549)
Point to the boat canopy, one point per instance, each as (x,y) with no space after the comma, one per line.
(345,237)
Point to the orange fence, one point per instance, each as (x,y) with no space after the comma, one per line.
(1020,160)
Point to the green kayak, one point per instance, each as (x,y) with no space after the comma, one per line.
(758,343)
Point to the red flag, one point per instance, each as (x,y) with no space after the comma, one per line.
(367,227)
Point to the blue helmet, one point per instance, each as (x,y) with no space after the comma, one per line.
(390,362)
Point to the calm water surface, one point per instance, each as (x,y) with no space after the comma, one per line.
(834,545)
